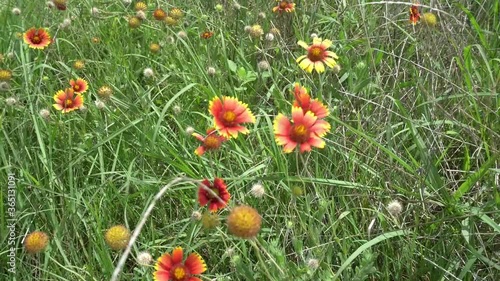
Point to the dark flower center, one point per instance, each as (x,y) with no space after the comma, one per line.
(68,103)
(36,39)
(283,5)
(316,53)
(216,191)
(228,118)
(211,142)
(299,133)
(179,273)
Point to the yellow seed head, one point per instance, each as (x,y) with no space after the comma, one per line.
(140,6)
(79,64)
(176,13)
(256,31)
(429,19)
(154,48)
(134,22)
(36,242)
(244,221)
(105,92)
(210,220)
(117,237)
(170,21)
(5,75)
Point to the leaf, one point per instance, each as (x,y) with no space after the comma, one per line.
(472,179)
(365,246)
(232,65)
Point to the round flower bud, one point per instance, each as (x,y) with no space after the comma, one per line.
(144,258)
(394,207)
(45,113)
(182,34)
(258,190)
(16,11)
(11,101)
(244,221)
(99,104)
(189,130)
(429,19)
(263,65)
(36,242)
(140,15)
(313,264)
(95,11)
(195,215)
(256,31)
(211,71)
(117,237)
(148,72)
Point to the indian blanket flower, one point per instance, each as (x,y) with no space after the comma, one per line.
(5,75)
(67,100)
(211,142)
(60,4)
(37,38)
(229,114)
(303,100)
(171,267)
(206,34)
(317,55)
(284,6)
(176,13)
(304,132)
(219,188)
(79,85)
(159,14)
(414,14)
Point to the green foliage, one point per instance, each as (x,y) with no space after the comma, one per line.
(414,115)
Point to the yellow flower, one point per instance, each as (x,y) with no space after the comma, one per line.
(317,55)
(79,64)
(256,31)
(134,22)
(170,21)
(5,75)
(210,220)
(117,237)
(154,48)
(176,13)
(244,221)
(105,92)
(140,6)
(36,242)
(429,19)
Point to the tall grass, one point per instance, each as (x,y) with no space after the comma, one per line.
(414,116)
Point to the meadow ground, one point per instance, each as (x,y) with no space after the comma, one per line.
(381,163)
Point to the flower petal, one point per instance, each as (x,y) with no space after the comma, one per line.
(177,255)
(195,264)
(200,151)
(326,44)
(320,68)
(303,44)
